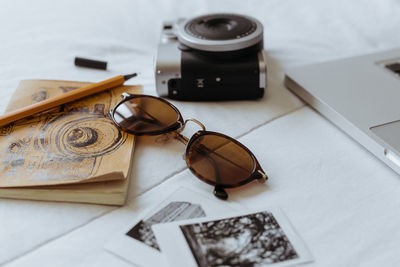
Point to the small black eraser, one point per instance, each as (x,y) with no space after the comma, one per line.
(90,63)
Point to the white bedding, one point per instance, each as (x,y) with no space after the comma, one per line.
(342,200)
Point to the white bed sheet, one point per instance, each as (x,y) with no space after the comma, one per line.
(340,198)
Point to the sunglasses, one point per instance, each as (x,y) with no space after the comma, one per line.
(214,158)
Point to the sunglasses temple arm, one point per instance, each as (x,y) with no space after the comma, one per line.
(181,138)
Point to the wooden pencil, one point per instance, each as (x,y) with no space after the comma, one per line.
(63,99)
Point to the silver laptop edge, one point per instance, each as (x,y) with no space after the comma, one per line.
(339,99)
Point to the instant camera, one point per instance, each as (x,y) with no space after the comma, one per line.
(211,57)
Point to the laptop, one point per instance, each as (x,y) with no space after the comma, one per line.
(360,95)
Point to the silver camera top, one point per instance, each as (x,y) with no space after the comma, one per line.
(219,32)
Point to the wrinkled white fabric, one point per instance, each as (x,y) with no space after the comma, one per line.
(339,197)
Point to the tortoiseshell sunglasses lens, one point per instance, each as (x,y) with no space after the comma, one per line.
(146,115)
(220,160)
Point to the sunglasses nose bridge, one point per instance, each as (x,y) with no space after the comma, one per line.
(182,138)
(195,121)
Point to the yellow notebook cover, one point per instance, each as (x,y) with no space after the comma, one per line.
(70,153)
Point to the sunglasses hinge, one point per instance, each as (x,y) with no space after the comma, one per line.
(263,177)
(182,138)
(125,95)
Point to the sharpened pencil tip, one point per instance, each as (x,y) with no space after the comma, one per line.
(128,76)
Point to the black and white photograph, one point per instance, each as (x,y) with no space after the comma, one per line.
(255,239)
(138,238)
(244,240)
(173,211)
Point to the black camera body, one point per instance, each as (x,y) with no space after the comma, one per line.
(211,57)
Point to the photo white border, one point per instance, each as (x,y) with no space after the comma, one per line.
(178,253)
(137,252)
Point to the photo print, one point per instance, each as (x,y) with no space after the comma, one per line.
(244,240)
(174,211)
(262,238)
(138,244)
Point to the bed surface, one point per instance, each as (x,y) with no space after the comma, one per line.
(342,200)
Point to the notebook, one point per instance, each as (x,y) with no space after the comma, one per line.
(70,153)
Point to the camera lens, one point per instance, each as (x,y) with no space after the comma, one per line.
(219,24)
(220,32)
(220,27)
